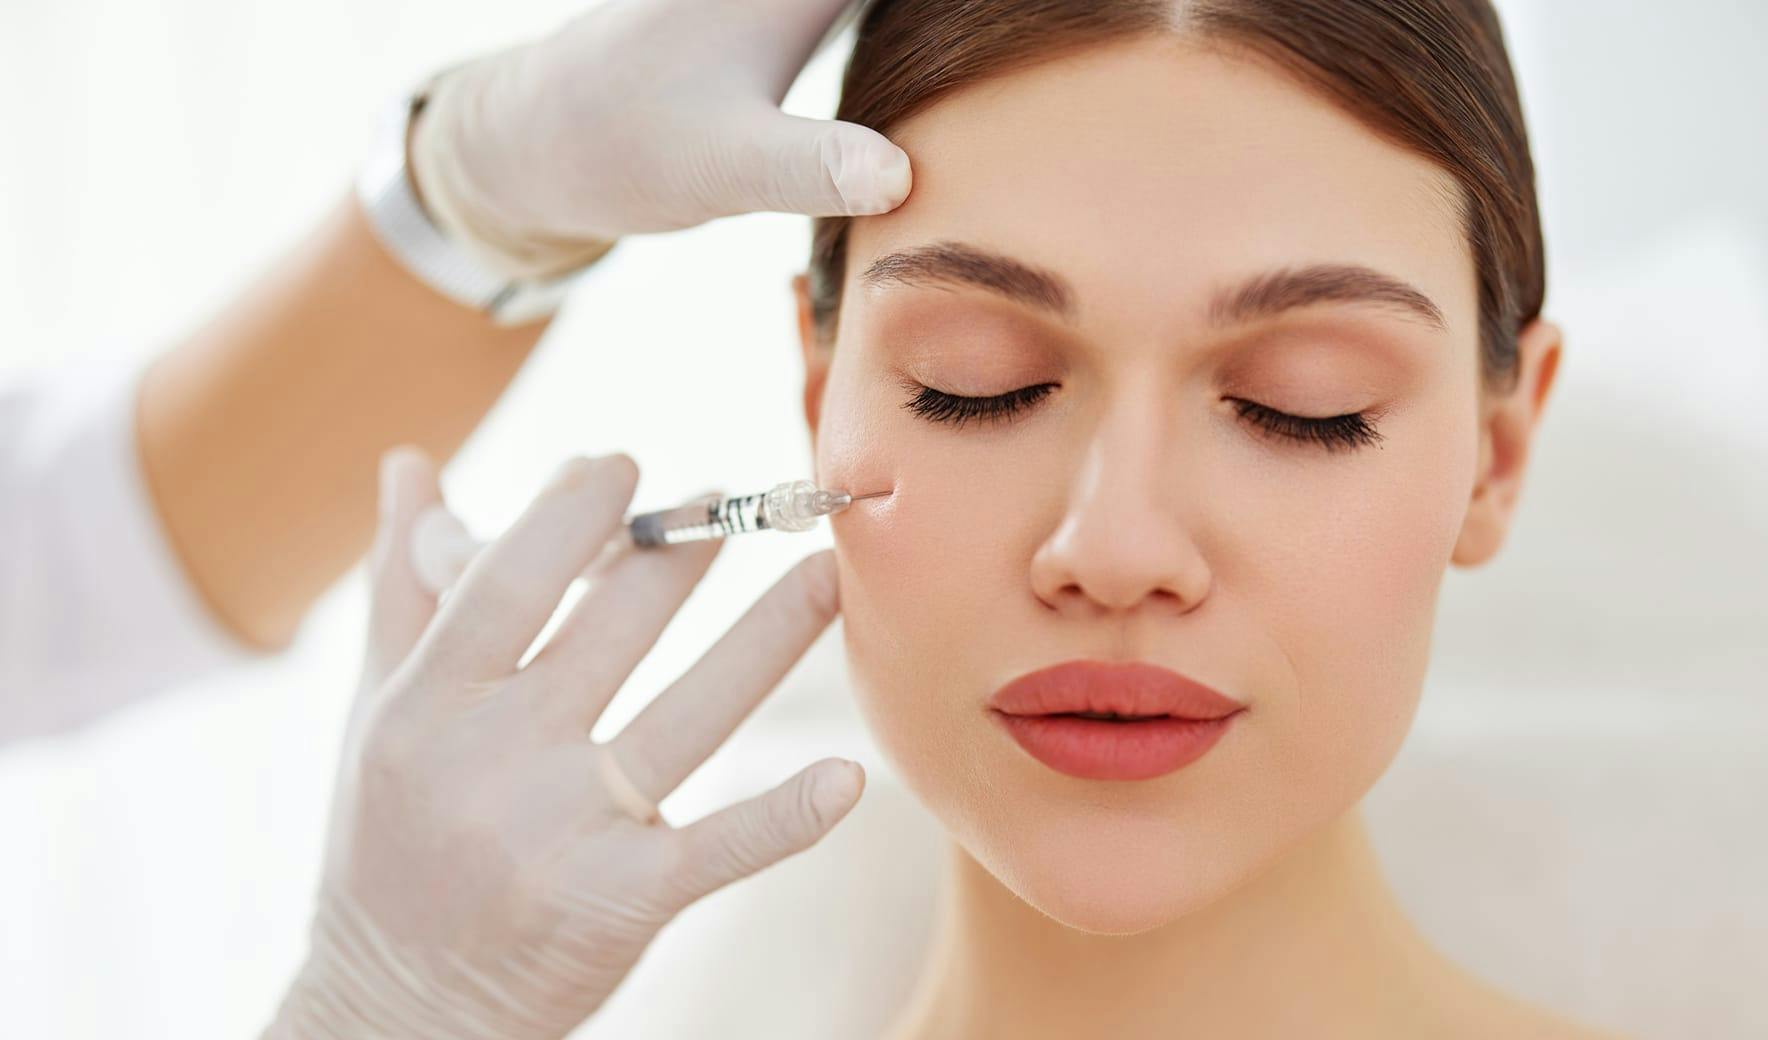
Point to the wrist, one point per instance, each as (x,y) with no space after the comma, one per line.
(357,982)
(360,981)
(438,241)
(445,136)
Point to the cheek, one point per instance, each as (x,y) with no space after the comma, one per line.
(1342,564)
(926,579)
(922,554)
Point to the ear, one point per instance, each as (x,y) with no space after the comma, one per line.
(816,358)
(1507,430)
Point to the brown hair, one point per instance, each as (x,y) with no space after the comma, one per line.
(1432,75)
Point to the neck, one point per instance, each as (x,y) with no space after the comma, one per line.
(1315,945)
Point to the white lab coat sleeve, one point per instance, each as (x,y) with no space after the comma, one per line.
(95,609)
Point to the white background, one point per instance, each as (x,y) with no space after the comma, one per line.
(155,869)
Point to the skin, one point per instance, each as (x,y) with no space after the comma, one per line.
(260,434)
(1135,514)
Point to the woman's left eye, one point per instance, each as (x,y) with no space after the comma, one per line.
(939,406)
(1334,433)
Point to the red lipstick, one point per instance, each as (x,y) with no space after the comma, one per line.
(1164,722)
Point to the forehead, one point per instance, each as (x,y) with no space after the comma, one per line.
(1148,172)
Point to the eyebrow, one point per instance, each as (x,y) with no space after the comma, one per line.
(1262,296)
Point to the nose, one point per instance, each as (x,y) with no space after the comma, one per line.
(1122,543)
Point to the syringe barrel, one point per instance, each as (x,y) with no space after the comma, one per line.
(792,506)
(709,518)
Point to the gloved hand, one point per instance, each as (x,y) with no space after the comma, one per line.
(487,875)
(641,116)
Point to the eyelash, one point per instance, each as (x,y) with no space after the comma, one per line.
(1332,432)
(939,406)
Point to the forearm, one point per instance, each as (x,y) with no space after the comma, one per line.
(260,434)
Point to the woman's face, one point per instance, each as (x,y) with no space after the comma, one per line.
(1134,512)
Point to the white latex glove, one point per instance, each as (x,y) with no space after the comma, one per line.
(485,877)
(642,116)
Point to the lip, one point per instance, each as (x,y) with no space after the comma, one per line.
(1190,718)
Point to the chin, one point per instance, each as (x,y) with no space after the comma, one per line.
(1110,874)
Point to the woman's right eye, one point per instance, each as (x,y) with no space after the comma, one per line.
(939,406)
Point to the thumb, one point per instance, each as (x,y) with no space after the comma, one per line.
(817,167)
(400,606)
(741,839)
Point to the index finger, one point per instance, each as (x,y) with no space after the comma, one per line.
(511,588)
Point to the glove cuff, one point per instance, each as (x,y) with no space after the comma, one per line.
(444,120)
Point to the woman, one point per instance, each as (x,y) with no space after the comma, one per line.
(1208,339)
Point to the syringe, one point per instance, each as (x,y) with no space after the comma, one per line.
(441,548)
(792,506)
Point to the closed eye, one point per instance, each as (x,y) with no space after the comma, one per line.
(1354,430)
(939,406)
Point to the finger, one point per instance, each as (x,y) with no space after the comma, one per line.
(630,600)
(816,167)
(441,548)
(688,721)
(739,840)
(400,607)
(512,587)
